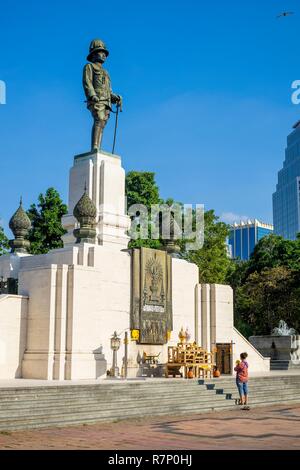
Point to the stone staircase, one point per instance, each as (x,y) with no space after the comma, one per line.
(65,405)
(265,390)
(283,365)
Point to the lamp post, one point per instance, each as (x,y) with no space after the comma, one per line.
(115,343)
(126,355)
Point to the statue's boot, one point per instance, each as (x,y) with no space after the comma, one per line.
(97,134)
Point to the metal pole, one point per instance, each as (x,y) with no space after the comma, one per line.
(116,127)
(126,354)
(114,363)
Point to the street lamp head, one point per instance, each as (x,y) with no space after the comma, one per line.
(115,342)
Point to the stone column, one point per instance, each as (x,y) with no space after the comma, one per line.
(104,178)
(205,318)
(60,323)
(198,315)
(40,285)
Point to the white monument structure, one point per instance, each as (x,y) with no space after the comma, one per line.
(71,300)
(60,310)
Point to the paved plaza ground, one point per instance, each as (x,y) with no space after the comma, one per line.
(260,428)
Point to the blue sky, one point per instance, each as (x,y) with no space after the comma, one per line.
(206,88)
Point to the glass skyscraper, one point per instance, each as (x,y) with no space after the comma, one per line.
(286,197)
(244,236)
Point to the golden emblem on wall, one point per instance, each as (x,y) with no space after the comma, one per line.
(135,335)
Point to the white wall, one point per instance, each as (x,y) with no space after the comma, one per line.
(257,363)
(184,279)
(13,316)
(73,312)
(221,315)
(39,285)
(101,305)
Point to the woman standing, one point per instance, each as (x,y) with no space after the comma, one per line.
(241,370)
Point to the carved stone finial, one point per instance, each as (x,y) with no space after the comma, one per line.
(85,212)
(20,225)
(170,244)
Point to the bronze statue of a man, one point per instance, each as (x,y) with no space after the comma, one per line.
(97,88)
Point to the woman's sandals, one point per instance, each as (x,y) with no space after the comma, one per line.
(238,402)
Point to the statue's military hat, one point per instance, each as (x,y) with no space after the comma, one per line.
(95,46)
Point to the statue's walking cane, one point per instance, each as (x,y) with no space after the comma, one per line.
(116,127)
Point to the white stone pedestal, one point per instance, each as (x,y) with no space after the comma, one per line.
(104,178)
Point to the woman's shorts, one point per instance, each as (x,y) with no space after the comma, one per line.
(242,387)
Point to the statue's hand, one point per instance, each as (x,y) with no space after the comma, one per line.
(95,99)
(119,101)
(116,99)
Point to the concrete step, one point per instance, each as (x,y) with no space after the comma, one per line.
(116,396)
(258,380)
(101,394)
(106,415)
(252,384)
(31,400)
(162,383)
(262,378)
(123,401)
(57,421)
(99,389)
(109,385)
(71,421)
(101,398)
(254,388)
(40,411)
(168,383)
(41,408)
(78,404)
(263,398)
(184,385)
(67,391)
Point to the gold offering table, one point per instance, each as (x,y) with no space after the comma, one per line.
(187,357)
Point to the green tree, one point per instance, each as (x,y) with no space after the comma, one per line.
(212,259)
(272,251)
(4,244)
(267,297)
(141,188)
(236,277)
(46,230)
(238,273)
(265,287)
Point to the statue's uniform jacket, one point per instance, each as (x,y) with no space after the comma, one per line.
(97,82)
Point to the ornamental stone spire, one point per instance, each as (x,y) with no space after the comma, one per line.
(85,212)
(20,225)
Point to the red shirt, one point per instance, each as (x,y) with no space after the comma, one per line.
(242,371)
